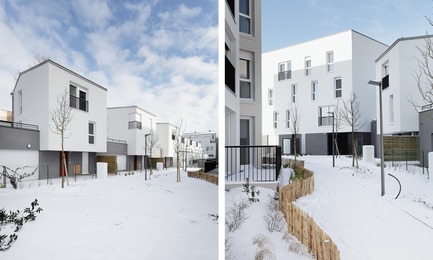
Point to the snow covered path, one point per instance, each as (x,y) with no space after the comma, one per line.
(347,204)
(121,217)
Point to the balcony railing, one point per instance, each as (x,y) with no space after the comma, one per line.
(282,75)
(325,120)
(18,125)
(230,77)
(78,103)
(257,163)
(134,125)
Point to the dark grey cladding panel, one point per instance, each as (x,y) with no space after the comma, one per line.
(18,139)
(117,148)
(316,144)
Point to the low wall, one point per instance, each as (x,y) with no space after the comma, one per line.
(204,176)
(303,226)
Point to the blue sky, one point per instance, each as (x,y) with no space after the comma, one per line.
(160,55)
(286,23)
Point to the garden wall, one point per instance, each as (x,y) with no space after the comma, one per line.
(300,224)
(204,176)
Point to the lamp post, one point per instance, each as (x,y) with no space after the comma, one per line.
(382,173)
(145,156)
(333,140)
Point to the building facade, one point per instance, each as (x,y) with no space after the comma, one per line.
(243,113)
(309,80)
(208,142)
(36,94)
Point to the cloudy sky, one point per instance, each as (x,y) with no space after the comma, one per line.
(160,55)
(290,22)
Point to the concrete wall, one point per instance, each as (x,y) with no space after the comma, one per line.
(18,139)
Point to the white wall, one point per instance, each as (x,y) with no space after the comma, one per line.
(118,127)
(19,158)
(164,131)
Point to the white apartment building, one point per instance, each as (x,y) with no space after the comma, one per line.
(132,124)
(36,93)
(243,72)
(396,68)
(208,142)
(314,77)
(166,133)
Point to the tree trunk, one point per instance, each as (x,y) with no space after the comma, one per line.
(353,148)
(177,167)
(336,145)
(294,147)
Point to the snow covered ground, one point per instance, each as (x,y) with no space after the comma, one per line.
(347,204)
(120,217)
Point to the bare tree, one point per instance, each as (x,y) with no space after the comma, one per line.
(295,117)
(352,116)
(338,124)
(61,117)
(178,145)
(151,144)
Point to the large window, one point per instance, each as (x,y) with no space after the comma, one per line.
(294,93)
(338,87)
(285,70)
(307,66)
(330,61)
(20,102)
(325,115)
(245,16)
(134,121)
(245,78)
(78,98)
(91,133)
(314,90)
(385,75)
(391,109)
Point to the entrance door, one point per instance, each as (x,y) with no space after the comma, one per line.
(287,145)
(62,167)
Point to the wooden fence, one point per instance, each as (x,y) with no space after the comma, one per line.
(204,176)
(303,226)
(305,229)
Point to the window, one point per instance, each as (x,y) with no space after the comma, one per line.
(314,90)
(134,121)
(173,135)
(245,16)
(391,109)
(245,78)
(78,98)
(275,120)
(287,118)
(385,75)
(20,102)
(330,61)
(285,70)
(325,116)
(91,133)
(270,96)
(294,88)
(338,87)
(307,66)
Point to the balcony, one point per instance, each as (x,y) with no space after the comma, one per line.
(257,163)
(230,76)
(134,125)
(18,125)
(282,75)
(78,103)
(325,121)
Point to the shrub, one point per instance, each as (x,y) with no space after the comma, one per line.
(236,215)
(15,176)
(251,191)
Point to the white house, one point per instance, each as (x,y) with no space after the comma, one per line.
(207,141)
(314,77)
(396,68)
(132,124)
(166,133)
(36,93)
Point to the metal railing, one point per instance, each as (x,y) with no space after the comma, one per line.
(111,140)
(134,125)
(18,125)
(325,120)
(78,103)
(258,163)
(282,75)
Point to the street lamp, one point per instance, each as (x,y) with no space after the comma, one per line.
(145,156)
(382,173)
(333,140)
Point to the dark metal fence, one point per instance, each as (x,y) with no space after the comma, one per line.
(257,163)
(18,125)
